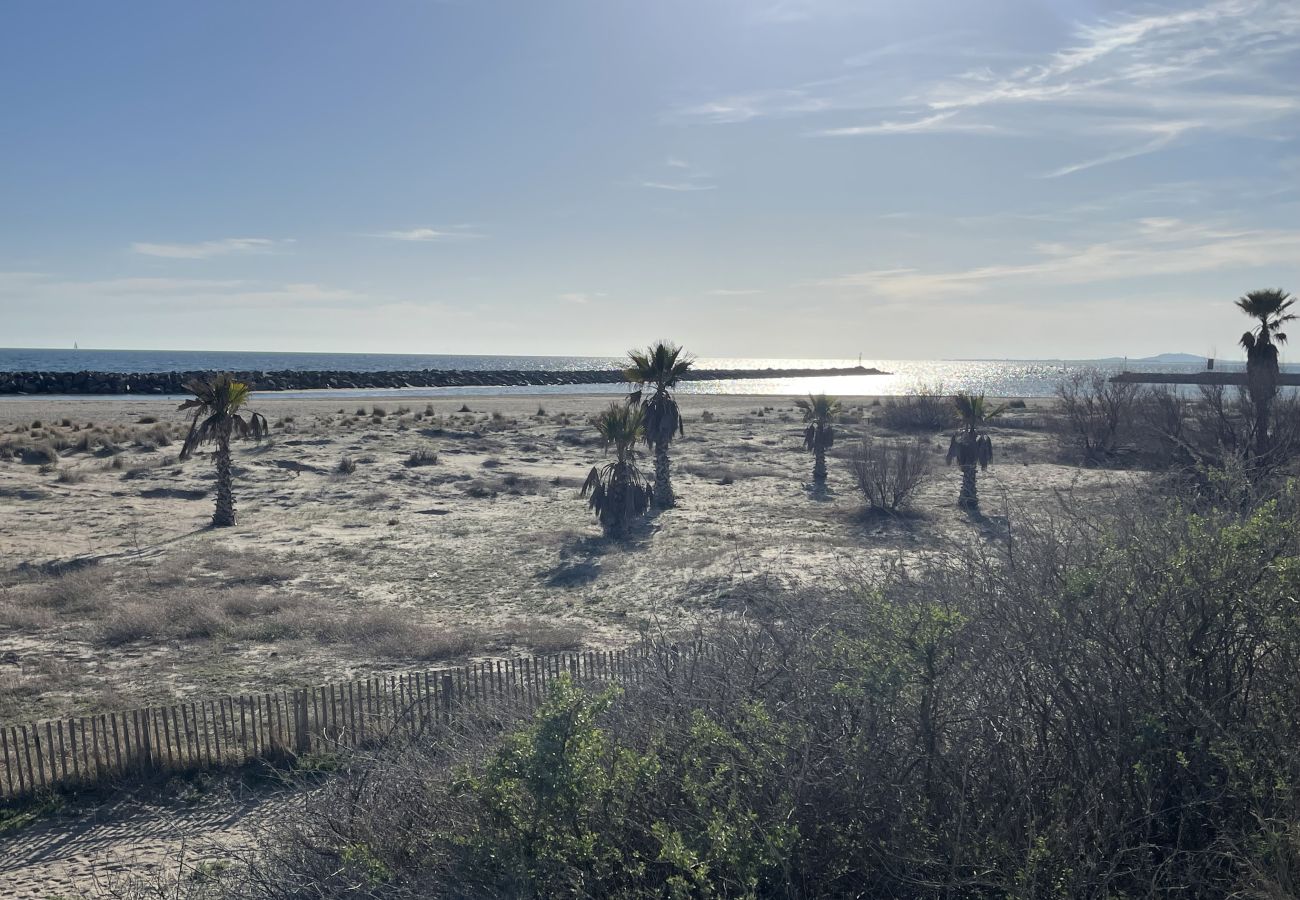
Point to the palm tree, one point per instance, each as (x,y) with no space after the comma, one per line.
(617,491)
(1270,307)
(659,367)
(971,446)
(819,412)
(218,401)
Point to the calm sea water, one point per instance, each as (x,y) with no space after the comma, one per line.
(1004,378)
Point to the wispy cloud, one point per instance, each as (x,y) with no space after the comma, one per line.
(1152,247)
(164,292)
(736,108)
(685,177)
(678,186)
(453,233)
(582,298)
(1120,87)
(732,292)
(207,249)
(942,121)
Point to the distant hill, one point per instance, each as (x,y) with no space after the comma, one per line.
(1160,358)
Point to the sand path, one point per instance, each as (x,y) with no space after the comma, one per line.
(127,838)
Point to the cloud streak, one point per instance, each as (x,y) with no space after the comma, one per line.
(1154,247)
(1122,87)
(429,235)
(207,249)
(168,292)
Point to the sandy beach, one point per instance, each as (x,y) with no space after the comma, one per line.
(353,556)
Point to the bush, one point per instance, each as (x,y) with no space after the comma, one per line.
(1102,707)
(1096,415)
(889,472)
(926,408)
(421,456)
(42,454)
(346,465)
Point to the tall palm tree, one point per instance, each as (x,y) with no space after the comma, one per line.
(659,368)
(819,412)
(1261,344)
(617,491)
(971,446)
(218,401)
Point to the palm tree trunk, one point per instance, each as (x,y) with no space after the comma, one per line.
(1261,428)
(664,498)
(968,460)
(224,517)
(968,498)
(819,469)
(1261,377)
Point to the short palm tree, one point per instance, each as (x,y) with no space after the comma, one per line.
(618,492)
(1261,345)
(819,412)
(218,402)
(658,369)
(971,446)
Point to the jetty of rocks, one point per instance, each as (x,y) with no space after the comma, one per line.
(287,380)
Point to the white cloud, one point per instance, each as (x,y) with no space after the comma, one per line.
(206,249)
(684,177)
(160,293)
(581,298)
(942,121)
(455,232)
(685,186)
(1153,247)
(1120,88)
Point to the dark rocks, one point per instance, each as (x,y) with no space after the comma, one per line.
(145,383)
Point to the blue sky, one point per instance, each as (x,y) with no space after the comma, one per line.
(798,178)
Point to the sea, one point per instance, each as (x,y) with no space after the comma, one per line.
(995,377)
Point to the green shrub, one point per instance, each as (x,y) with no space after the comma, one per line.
(1102,706)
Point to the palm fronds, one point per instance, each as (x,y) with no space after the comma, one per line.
(982,447)
(974,410)
(618,492)
(820,412)
(217,401)
(1270,306)
(658,368)
(971,447)
(217,405)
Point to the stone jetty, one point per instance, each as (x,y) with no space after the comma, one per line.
(146,383)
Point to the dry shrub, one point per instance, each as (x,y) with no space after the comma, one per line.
(925,408)
(421,456)
(1103,707)
(1097,415)
(543,636)
(130,622)
(79,591)
(392,633)
(888,473)
(24,616)
(41,454)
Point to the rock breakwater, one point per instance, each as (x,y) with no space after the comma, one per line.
(146,383)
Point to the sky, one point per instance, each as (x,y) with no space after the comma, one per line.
(781,178)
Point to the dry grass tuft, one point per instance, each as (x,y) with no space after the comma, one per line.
(421,456)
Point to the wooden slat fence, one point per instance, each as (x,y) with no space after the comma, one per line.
(206,734)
